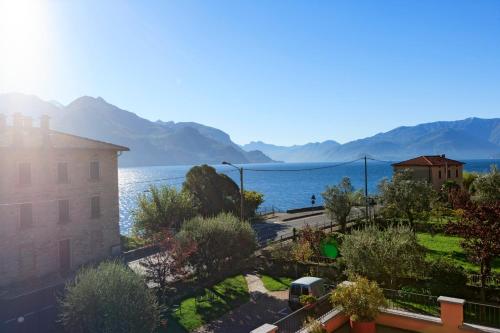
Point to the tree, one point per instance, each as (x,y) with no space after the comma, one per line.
(468,179)
(406,197)
(488,186)
(213,193)
(253,200)
(160,209)
(170,262)
(479,226)
(222,242)
(385,255)
(339,200)
(109,298)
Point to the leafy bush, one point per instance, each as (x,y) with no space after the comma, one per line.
(307,299)
(109,298)
(253,200)
(302,251)
(314,326)
(339,200)
(360,299)
(487,186)
(222,242)
(446,278)
(385,255)
(160,209)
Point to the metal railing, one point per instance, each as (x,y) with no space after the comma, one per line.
(482,314)
(295,321)
(412,302)
(492,281)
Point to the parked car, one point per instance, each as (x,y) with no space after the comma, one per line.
(305,286)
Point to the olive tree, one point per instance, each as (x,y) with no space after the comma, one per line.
(109,298)
(385,255)
(162,208)
(406,197)
(339,200)
(487,186)
(222,242)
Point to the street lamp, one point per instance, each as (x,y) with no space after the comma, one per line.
(242,199)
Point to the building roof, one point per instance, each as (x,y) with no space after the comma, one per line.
(429,160)
(38,138)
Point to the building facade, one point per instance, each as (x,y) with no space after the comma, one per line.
(59,204)
(435,169)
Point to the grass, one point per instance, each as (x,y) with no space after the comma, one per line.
(443,245)
(210,304)
(276,283)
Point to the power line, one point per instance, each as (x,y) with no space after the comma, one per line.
(306,169)
(377,160)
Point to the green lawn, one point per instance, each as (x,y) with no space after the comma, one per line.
(276,283)
(211,304)
(443,245)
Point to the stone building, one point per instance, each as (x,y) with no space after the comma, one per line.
(435,169)
(58,201)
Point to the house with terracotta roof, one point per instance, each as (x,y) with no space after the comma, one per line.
(58,201)
(435,169)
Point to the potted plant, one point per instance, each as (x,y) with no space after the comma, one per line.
(308,301)
(361,300)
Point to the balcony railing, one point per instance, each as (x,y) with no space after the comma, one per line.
(412,302)
(482,314)
(295,321)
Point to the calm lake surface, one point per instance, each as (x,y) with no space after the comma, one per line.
(283,187)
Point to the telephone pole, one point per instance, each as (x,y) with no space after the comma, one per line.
(242,195)
(366,190)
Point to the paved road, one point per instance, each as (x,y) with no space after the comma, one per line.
(274,228)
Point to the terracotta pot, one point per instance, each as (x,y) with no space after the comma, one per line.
(362,327)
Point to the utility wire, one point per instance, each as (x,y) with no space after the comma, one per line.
(306,169)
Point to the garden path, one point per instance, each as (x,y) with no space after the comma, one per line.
(264,307)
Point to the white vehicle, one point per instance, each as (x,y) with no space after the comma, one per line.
(308,285)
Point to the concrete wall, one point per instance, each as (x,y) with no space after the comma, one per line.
(90,239)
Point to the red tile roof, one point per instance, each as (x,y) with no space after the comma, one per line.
(432,160)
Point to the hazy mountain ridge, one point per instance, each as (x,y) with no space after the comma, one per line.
(469,138)
(151,143)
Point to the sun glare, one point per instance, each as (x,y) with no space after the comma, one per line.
(24,43)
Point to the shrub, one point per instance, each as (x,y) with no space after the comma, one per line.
(447,278)
(222,242)
(314,326)
(162,208)
(307,299)
(385,255)
(109,298)
(253,200)
(360,299)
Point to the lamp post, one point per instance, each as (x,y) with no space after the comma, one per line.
(242,199)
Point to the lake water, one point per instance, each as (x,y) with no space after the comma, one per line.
(283,186)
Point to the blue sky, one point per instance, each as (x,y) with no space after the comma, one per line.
(285,72)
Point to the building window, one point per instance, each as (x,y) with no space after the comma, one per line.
(439,174)
(94,170)
(63,211)
(449,173)
(27,259)
(26,215)
(95,207)
(24,173)
(456,173)
(62,173)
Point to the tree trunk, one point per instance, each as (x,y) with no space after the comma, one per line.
(483,282)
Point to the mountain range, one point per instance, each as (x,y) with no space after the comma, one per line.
(186,143)
(150,143)
(471,138)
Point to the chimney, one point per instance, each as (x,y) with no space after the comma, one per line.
(17,137)
(3,122)
(28,122)
(17,121)
(45,122)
